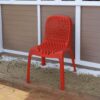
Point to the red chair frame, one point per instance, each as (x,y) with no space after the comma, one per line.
(57,41)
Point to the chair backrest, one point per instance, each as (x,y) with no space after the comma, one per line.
(58,29)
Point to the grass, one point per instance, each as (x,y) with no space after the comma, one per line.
(87,84)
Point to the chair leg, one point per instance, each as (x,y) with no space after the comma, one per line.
(28,68)
(73,59)
(43,61)
(62,81)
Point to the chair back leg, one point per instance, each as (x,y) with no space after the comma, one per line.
(73,59)
(62,81)
(43,61)
(28,68)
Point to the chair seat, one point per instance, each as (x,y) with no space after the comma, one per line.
(48,49)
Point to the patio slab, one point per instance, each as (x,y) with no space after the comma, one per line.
(10,93)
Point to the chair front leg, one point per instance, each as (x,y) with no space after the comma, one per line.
(28,68)
(62,80)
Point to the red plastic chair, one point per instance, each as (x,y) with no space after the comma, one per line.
(57,40)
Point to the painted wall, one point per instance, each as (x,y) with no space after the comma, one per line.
(20,24)
(20,27)
(90,34)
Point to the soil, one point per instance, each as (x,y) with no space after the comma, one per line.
(14,91)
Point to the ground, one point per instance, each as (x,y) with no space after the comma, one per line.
(38,92)
(45,84)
